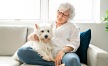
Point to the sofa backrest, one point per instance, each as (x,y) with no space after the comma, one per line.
(14,36)
(11,38)
(30,30)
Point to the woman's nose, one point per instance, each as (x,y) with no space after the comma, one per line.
(61,15)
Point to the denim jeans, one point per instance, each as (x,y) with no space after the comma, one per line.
(28,56)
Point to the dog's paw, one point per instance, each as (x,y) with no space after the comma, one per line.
(52,59)
(46,58)
(15,63)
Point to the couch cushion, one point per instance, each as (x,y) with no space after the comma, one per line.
(11,38)
(85,38)
(5,60)
(30,30)
(41,65)
(29,65)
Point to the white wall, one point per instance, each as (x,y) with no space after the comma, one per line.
(99,35)
(103,7)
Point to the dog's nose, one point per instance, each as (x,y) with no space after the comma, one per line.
(46,36)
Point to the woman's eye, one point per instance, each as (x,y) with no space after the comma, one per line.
(42,31)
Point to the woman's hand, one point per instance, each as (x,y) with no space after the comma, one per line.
(59,58)
(33,37)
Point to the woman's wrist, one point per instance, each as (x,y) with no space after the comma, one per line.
(67,49)
(64,51)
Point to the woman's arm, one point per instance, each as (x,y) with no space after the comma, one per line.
(67,49)
(74,40)
(72,46)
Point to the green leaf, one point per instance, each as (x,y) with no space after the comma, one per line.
(107,12)
(107,30)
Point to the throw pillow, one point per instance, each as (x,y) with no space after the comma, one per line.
(85,38)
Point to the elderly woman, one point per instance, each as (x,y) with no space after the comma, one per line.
(65,34)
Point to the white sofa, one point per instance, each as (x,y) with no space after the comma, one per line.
(14,36)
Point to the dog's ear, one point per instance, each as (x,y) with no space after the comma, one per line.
(36,26)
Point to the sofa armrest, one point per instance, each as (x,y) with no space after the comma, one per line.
(96,56)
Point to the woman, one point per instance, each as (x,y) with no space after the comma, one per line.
(65,34)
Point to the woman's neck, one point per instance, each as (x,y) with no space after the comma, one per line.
(59,24)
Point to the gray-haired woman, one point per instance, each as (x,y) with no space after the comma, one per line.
(65,34)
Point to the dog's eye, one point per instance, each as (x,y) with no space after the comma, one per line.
(42,31)
(48,31)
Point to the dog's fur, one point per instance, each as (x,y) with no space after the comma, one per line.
(43,47)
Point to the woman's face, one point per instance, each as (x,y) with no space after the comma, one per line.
(62,17)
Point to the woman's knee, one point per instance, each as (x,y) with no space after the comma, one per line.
(28,53)
(23,50)
(71,58)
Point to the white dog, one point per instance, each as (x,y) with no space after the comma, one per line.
(43,47)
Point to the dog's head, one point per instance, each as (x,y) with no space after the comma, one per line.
(44,31)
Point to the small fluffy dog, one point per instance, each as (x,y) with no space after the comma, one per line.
(44,47)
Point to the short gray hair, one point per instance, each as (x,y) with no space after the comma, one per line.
(67,6)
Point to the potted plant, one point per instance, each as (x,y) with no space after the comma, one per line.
(105,20)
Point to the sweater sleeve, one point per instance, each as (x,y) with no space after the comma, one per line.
(74,40)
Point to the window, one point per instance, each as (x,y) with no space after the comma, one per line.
(19,9)
(44,10)
(83,9)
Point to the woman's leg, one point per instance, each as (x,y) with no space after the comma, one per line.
(71,59)
(28,56)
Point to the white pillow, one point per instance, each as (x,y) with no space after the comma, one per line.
(11,38)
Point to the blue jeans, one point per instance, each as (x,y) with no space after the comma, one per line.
(28,56)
